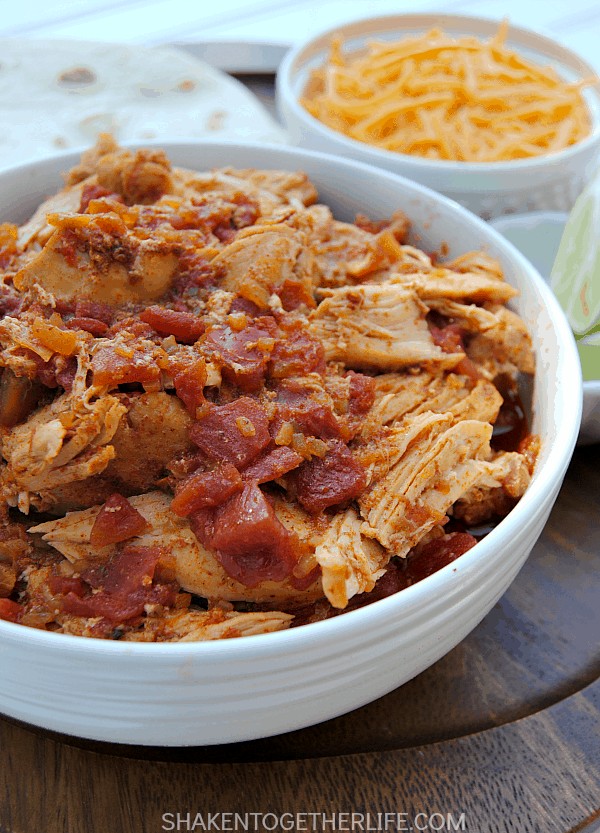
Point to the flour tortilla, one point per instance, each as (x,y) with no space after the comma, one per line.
(58,95)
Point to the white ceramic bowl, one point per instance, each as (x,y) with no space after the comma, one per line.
(537,235)
(489,189)
(238,689)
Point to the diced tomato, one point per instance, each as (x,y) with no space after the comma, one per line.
(393,580)
(234,433)
(117,521)
(125,587)
(118,608)
(250,541)
(295,404)
(111,368)
(94,309)
(92,192)
(189,385)
(65,371)
(130,568)
(272,465)
(62,585)
(206,489)
(448,337)
(184,326)
(132,325)
(326,481)
(10,611)
(296,353)
(362,392)
(437,554)
(242,355)
(90,325)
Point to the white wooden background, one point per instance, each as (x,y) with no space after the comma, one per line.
(576,23)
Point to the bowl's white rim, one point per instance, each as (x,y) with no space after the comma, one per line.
(285,89)
(353,623)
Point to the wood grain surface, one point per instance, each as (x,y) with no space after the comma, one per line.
(504,729)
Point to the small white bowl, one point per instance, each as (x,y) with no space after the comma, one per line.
(239,689)
(550,182)
(537,235)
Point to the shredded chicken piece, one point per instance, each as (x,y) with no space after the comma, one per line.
(502,481)
(379,326)
(429,462)
(153,432)
(60,443)
(399,394)
(472,318)
(350,562)
(346,253)
(262,259)
(37,229)
(79,261)
(503,349)
(203,626)
(28,333)
(277,193)
(440,282)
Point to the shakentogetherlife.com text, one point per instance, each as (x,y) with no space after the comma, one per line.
(339,822)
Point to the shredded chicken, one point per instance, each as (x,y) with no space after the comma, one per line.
(64,442)
(78,261)
(504,348)
(399,394)
(476,287)
(428,463)
(201,626)
(379,326)
(263,259)
(502,481)
(350,562)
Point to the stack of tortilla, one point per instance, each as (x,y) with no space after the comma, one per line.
(59,95)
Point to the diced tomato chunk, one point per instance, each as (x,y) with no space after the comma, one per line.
(125,587)
(437,554)
(92,192)
(117,521)
(118,608)
(235,433)
(90,325)
(129,569)
(189,385)
(10,611)
(206,489)
(272,465)
(448,337)
(296,353)
(242,355)
(362,392)
(112,368)
(66,584)
(184,326)
(326,481)
(250,541)
(94,309)
(297,404)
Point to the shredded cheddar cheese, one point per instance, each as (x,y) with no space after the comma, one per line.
(448,98)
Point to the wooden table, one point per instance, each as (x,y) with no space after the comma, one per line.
(504,729)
